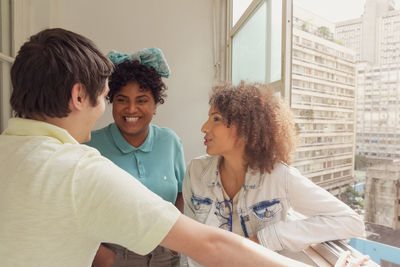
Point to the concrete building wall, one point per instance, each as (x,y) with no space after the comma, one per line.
(382,194)
(323,90)
(349,34)
(378,115)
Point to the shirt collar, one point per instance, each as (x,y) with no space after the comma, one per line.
(211,174)
(27,127)
(125,147)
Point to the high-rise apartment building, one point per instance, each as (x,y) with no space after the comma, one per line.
(323,91)
(375,37)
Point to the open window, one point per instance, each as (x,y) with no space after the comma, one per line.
(259,43)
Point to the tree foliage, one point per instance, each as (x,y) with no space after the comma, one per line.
(353,199)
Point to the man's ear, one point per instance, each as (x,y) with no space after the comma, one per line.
(78,95)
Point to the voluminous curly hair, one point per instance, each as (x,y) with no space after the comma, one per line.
(132,71)
(263,120)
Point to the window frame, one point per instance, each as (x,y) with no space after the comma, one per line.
(282,86)
(7,37)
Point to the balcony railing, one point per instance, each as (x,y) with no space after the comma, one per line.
(327,253)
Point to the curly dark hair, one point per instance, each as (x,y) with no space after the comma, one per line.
(262,119)
(132,71)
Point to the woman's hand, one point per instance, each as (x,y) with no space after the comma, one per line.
(345,261)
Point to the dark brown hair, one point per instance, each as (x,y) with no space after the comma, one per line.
(262,119)
(132,71)
(47,67)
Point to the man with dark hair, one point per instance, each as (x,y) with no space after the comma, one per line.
(48,66)
(59,199)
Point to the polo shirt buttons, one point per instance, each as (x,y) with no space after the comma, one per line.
(197,206)
(267,213)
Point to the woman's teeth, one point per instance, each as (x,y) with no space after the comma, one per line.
(131,119)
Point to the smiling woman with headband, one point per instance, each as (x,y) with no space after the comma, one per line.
(152,154)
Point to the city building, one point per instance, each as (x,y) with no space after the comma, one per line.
(382,194)
(375,38)
(323,97)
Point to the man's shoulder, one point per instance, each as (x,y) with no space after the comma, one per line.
(78,150)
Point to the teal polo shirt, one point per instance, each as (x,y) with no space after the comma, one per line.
(158,163)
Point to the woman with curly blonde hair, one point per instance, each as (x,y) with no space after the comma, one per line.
(245,184)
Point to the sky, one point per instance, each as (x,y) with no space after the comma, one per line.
(336,10)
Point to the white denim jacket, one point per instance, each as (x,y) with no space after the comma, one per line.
(264,205)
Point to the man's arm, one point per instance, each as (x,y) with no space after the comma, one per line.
(104,257)
(211,246)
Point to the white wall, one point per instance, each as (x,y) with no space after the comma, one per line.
(181,28)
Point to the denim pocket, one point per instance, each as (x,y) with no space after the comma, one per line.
(201,207)
(267,210)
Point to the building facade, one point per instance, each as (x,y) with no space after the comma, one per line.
(323,95)
(375,37)
(382,194)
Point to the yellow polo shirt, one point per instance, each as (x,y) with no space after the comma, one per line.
(59,200)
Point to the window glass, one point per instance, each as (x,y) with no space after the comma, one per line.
(276,41)
(249,49)
(257,46)
(239,7)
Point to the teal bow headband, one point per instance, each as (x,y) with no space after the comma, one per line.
(151,57)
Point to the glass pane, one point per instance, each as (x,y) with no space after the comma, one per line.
(249,49)
(238,8)
(275,68)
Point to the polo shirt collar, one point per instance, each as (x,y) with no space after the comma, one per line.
(125,147)
(27,127)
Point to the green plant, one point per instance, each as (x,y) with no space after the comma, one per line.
(354,199)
